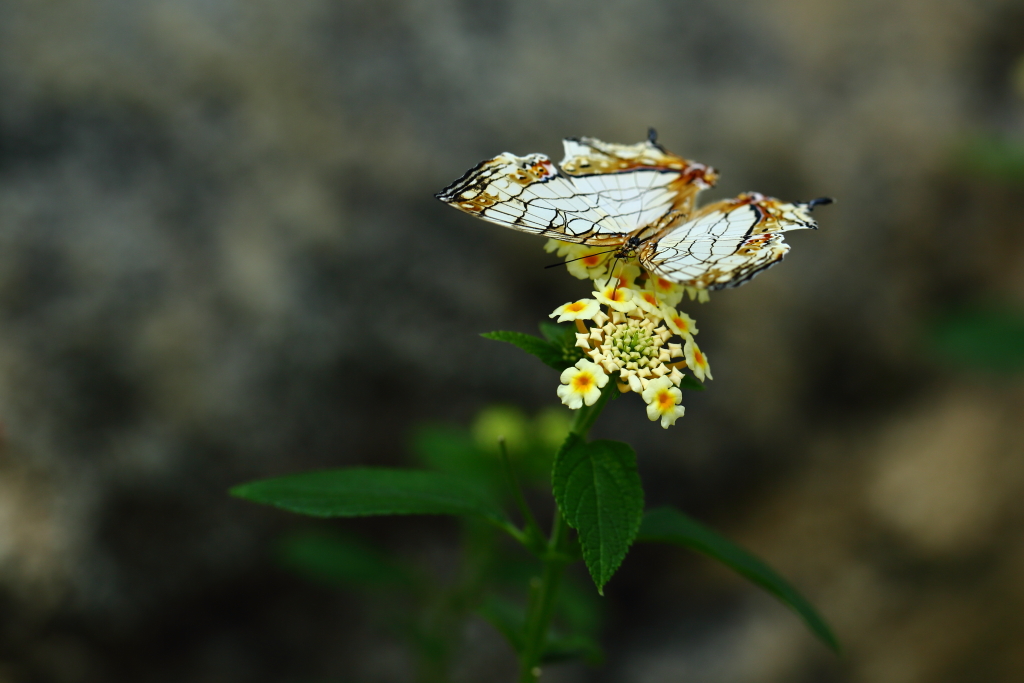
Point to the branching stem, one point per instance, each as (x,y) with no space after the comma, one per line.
(544,589)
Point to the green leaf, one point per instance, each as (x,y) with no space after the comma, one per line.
(598,491)
(563,337)
(668,525)
(692,383)
(553,355)
(982,337)
(558,334)
(335,559)
(360,492)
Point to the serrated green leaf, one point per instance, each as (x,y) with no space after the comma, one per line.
(598,491)
(336,559)
(360,492)
(558,333)
(668,525)
(692,383)
(553,355)
(545,350)
(563,337)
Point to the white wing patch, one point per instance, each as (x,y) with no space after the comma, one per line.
(726,243)
(601,193)
(639,197)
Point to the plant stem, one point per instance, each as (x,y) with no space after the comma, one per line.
(544,589)
(532,529)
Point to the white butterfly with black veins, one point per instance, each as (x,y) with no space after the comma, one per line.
(641,201)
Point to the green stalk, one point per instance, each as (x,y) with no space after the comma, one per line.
(544,589)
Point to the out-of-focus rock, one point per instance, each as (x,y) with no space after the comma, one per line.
(219,254)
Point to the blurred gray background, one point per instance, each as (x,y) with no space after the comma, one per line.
(220,259)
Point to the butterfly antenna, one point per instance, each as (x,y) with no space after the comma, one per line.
(652,137)
(562,263)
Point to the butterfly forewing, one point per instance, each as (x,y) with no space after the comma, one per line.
(725,243)
(601,194)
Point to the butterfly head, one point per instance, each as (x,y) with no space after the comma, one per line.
(629,248)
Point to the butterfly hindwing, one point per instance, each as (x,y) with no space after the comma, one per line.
(726,243)
(599,194)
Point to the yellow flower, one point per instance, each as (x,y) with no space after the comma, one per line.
(696,360)
(584,309)
(647,300)
(680,323)
(559,247)
(614,296)
(626,273)
(581,384)
(700,294)
(668,292)
(663,401)
(587,263)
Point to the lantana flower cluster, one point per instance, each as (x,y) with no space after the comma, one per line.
(630,332)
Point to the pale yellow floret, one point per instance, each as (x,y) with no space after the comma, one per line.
(663,401)
(584,309)
(588,263)
(635,384)
(680,323)
(696,360)
(583,340)
(626,274)
(582,384)
(648,300)
(559,247)
(668,292)
(698,293)
(619,299)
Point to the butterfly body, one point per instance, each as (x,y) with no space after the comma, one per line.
(640,200)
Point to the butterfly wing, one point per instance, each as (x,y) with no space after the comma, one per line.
(600,194)
(727,243)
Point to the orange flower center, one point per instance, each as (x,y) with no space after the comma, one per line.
(665,400)
(681,324)
(576,307)
(582,382)
(650,298)
(699,357)
(591,260)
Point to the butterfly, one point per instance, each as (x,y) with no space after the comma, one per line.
(640,201)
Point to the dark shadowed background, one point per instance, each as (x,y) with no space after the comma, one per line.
(220,259)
